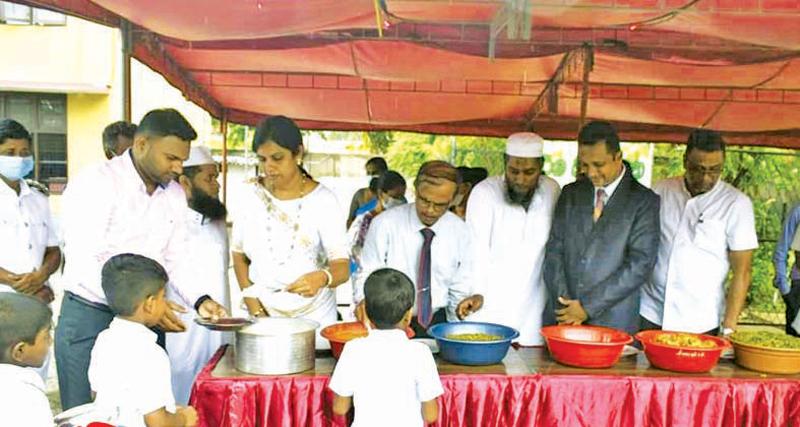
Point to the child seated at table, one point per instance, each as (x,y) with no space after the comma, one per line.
(129,372)
(25,324)
(391,380)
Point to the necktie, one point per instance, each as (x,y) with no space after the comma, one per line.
(424,310)
(599,203)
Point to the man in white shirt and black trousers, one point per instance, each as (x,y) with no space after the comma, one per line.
(707,229)
(431,245)
(129,204)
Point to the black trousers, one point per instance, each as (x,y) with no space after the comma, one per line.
(792,301)
(439,316)
(79,324)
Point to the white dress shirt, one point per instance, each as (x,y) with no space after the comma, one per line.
(130,374)
(106,211)
(26,229)
(388,377)
(207,269)
(609,189)
(23,402)
(394,240)
(510,242)
(687,290)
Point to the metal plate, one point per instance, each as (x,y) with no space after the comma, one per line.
(224,324)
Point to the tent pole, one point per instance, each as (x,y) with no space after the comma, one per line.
(224,130)
(127,46)
(588,64)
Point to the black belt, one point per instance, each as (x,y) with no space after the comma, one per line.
(86,302)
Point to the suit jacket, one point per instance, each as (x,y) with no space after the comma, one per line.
(603,264)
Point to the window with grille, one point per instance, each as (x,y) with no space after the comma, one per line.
(17,14)
(45,117)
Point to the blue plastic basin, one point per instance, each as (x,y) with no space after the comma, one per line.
(472,353)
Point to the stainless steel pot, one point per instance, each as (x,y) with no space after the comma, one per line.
(276,346)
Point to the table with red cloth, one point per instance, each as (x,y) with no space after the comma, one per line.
(527,389)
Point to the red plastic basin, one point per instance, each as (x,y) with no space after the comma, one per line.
(339,333)
(585,346)
(681,359)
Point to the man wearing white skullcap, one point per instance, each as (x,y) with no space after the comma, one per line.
(510,218)
(207,268)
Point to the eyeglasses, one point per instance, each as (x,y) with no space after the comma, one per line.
(700,170)
(427,204)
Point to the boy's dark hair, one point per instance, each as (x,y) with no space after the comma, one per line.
(705,140)
(166,122)
(12,129)
(22,317)
(128,279)
(388,295)
(596,131)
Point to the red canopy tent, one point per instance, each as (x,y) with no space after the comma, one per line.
(483,67)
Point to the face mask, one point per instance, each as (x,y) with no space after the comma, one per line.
(391,202)
(15,168)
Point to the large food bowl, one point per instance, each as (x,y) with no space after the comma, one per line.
(276,346)
(473,353)
(766,359)
(681,358)
(340,333)
(585,346)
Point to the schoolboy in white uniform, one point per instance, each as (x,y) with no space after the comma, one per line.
(390,380)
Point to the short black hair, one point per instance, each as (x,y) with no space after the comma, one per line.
(472,175)
(280,130)
(596,131)
(12,129)
(379,163)
(388,295)
(113,131)
(128,279)
(166,122)
(390,180)
(22,317)
(705,140)
(435,172)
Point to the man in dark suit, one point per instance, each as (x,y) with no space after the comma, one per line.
(604,238)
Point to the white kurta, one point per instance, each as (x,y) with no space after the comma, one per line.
(285,239)
(687,289)
(510,244)
(207,270)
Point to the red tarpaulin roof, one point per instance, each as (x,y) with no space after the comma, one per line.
(656,67)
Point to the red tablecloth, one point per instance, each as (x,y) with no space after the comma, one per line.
(517,400)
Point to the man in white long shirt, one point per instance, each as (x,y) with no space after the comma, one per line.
(29,251)
(207,264)
(707,228)
(431,245)
(510,218)
(129,204)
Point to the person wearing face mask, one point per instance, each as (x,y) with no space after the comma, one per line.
(29,251)
(129,204)
(365,199)
(289,251)
(510,218)
(707,228)
(207,259)
(391,190)
(431,245)
(603,240)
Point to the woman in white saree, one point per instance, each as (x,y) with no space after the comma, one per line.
(288,246)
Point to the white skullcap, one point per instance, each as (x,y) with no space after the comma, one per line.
(199,155)
(525,144)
